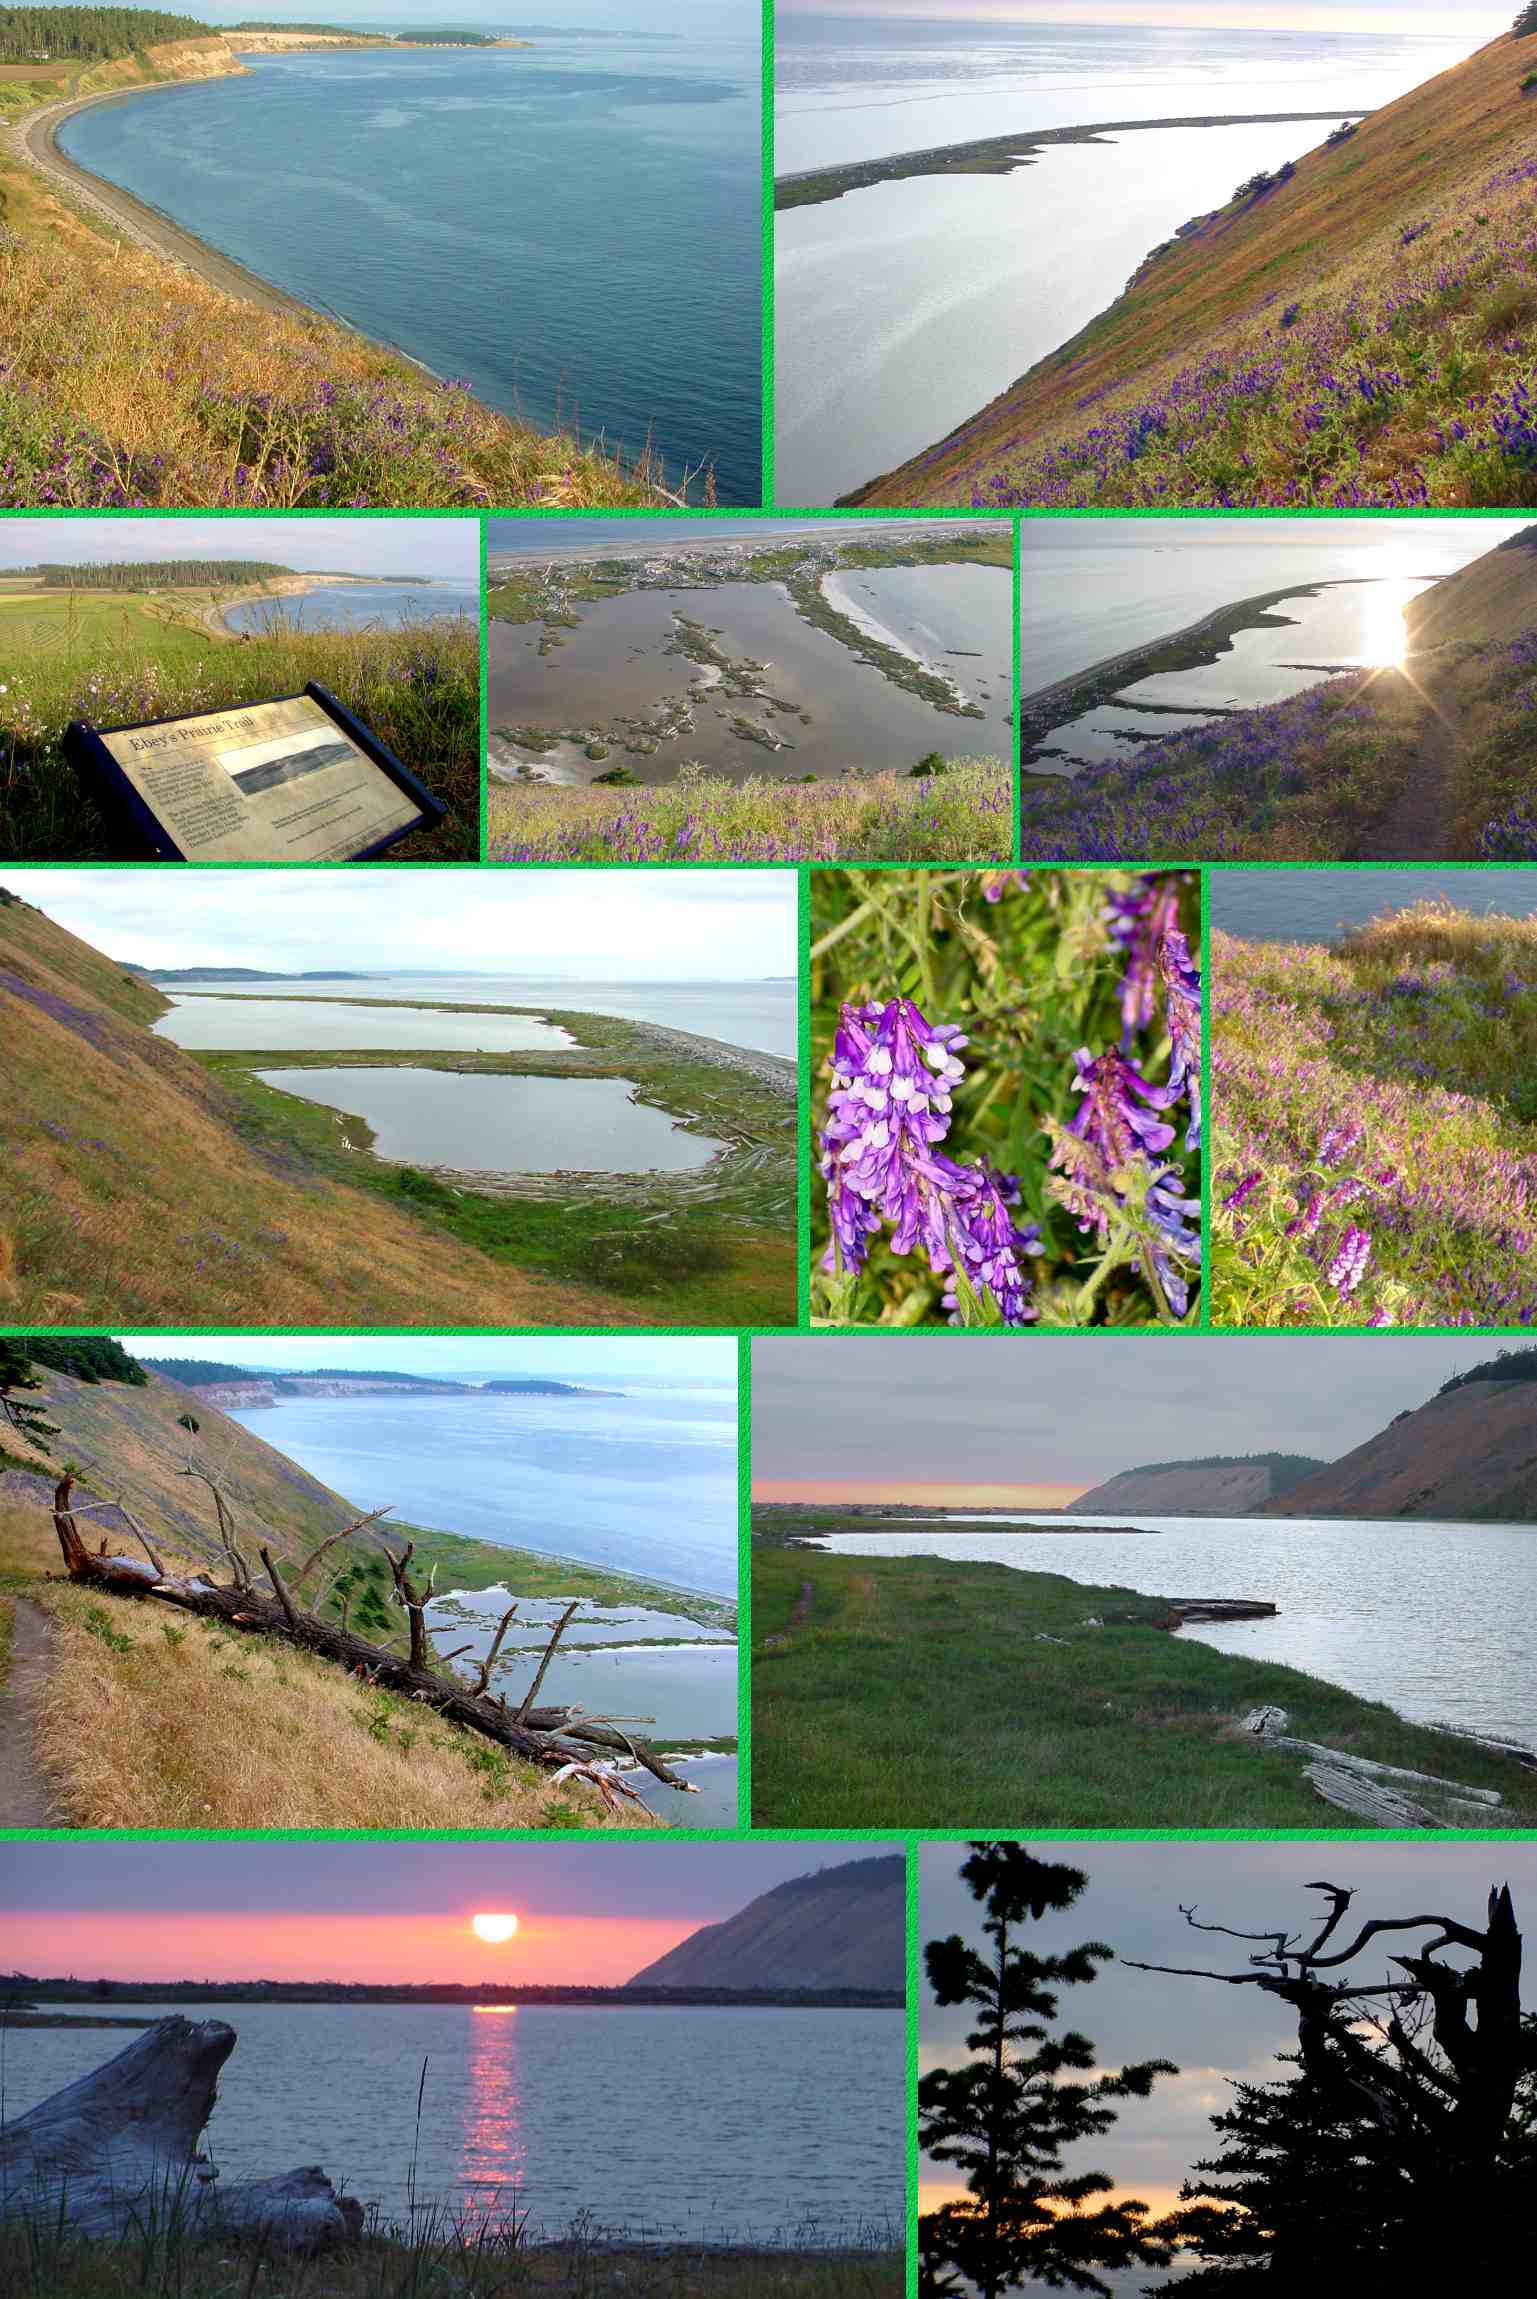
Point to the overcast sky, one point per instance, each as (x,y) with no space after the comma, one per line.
(464,1359)
(443,549)
(620,925)
(1211,2032)
(1474,24)
(1439,543)
(924,1410)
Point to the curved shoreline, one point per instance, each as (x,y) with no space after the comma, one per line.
(1001,155)
(34,138)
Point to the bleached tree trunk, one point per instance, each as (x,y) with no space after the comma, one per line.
(119,2150)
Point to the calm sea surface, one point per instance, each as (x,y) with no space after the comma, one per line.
(1434,1619)
(316,1023)
(955,619)
(1319,905)
(902,309)
(489,1124)
(571,229)
(644,1483)
(356,607)
(773,2122)
(759,1015)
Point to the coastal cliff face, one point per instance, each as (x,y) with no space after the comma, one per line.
(840,1928)
(1470,1454)
(1190,1489)
(210,59)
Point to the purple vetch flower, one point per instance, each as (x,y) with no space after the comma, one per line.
(980,1234)
(997,883)
(1178,1249)
(1110,1119)
(1137,920)
(1244,1191)
(1182,994)
(1348,1267)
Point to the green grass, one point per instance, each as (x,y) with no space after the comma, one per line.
(113,660)
(914,1694)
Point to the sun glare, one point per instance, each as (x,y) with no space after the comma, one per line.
(493,1928)
(1384,632)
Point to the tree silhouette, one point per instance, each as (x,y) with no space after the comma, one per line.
(1007,2116)
(16,1411)
(1404,2150)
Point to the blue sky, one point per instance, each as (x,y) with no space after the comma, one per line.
(679,1359)
(445,549)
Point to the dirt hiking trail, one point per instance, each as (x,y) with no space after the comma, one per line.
(26,1800)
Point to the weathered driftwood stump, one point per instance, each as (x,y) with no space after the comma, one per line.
(119,2150)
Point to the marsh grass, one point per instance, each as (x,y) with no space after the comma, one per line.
(443,2255)
(964,814)
(113,661)
(1385,1088)
(913,1692)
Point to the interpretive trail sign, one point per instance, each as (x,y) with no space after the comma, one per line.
(298,779)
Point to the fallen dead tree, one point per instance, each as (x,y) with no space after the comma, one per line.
(117,2153)
(562,1740)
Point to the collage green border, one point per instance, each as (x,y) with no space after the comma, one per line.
(911,1841)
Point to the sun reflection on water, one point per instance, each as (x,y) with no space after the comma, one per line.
(495,2150)
(1384,630)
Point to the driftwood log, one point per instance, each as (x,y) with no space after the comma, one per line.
(117,2152)
(1369,1790)
(560,1739)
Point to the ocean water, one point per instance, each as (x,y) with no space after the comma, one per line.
(643,1483)
(757,1015)
(572,229)
(1432,1618)
(356,607)
(481,1123)
(1321,905)
(901,310)
(1093,588)
(774,2122)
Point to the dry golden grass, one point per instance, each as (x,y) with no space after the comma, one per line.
(132,1199)
(155,1719)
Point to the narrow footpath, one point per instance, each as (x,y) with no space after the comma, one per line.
(26,1800)
(1417,826)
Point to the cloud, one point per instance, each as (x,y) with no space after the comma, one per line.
(940,1408)
(1214,2034)
(613,925)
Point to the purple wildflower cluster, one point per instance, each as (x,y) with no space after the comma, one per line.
(1244,787)
(1116,1141)
(889,1108)
(1350,1167)
(963,816)
(1507,763)
(1334,405)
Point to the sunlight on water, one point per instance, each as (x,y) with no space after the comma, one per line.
(1384,631)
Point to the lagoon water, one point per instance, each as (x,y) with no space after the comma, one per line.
(1321,905)
(615,664)
(1347,626)
(1432,1618)
(356,607)
(572,229)
(643,1483)
(312,1024)
(776,2121)
(757,1015)
(477,1122)
(902,309)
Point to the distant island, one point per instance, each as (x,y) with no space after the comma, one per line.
(212,1375)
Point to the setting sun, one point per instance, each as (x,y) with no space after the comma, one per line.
(494,1928)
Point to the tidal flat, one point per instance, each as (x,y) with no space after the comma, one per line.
(809,661)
